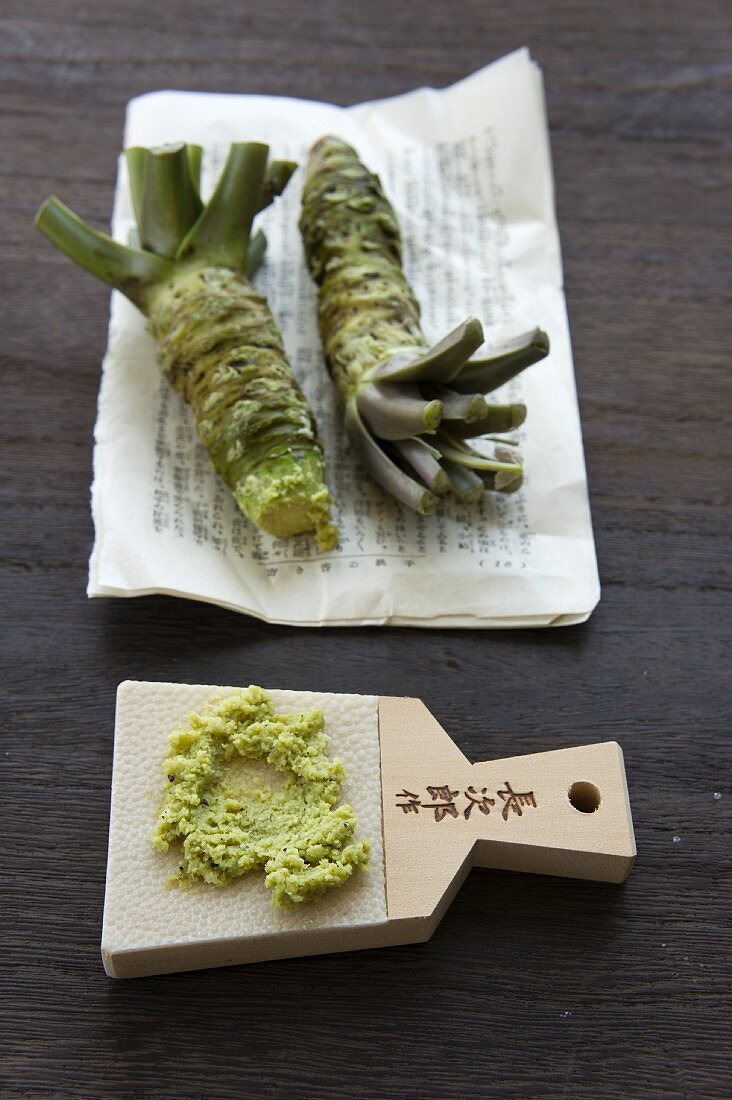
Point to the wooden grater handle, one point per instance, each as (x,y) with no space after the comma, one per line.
(564,812)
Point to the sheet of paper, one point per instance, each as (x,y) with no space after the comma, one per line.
(468,171)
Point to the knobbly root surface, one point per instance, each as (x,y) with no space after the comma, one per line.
(219,346)
(408,408)
(366,308)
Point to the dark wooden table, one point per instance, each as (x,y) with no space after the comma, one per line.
(531,987)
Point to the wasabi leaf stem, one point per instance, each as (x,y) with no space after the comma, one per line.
(195,158)
(504,363)
(165,198)
(462,407)
(443,361)
(382,468)
(276,178)
(497,418)
(465,456)
(394,412)
(131,270)
(255,255)
(136,158)
(423,460)
(465,481)
(220,236)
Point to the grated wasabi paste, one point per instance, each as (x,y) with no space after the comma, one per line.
(298,834)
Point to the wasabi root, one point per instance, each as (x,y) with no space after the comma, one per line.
(409,409)
(189,272)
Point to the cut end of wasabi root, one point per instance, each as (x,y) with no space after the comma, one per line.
(287,497)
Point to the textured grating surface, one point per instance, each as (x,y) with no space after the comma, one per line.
(139,911)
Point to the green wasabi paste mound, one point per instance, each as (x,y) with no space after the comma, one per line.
(298,834)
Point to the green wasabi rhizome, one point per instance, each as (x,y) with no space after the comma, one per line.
(409,410)
(218,343)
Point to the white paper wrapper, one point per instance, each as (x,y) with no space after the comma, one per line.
(469,174)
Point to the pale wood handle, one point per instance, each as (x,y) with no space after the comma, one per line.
(564,812)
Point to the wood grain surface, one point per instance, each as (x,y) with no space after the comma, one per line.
(531,987)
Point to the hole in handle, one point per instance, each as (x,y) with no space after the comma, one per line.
(585,797)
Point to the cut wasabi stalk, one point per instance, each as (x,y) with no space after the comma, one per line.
(497,418)
(218,344)
(381,467)
(424,461)
(465,483)
(408,407)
